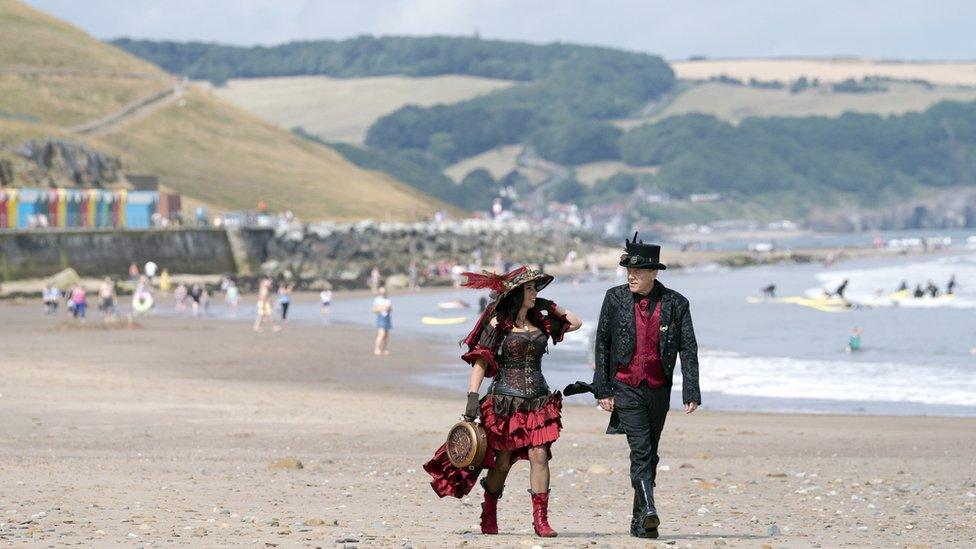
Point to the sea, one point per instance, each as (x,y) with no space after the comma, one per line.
(915,359)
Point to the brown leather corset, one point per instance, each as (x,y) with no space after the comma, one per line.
(520,366)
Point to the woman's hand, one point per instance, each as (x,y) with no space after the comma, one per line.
(606,404)
(472,407)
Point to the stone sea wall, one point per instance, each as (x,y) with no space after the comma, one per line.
(344,254)
(39,254)
(314,255)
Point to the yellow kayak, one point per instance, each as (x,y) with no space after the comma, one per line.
(823,304)
(440,321)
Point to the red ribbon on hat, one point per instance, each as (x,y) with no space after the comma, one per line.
(495,282)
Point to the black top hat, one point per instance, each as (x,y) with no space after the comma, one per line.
(642,256)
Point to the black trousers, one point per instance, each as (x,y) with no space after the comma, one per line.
(642,412)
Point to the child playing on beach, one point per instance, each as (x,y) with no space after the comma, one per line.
(382,307)
(78,301)
(232,298)
(325,296)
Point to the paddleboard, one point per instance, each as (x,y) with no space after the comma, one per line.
(438,321)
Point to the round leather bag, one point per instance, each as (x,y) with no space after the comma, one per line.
(466,445)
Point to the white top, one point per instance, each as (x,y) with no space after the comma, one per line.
(384,304)
(325,296)
(150,269)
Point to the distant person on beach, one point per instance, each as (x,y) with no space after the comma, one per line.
(205,301)
(769,291)
(951,285)
(79,301)
(284,299)
(325,297)
(919,292)
(164,280)
(133,271)
(107,297)
(264,309)
(383,309)
(854,343)
(520,413)
(643,328)
(51,297)
(374,280)
(412,276)
(195,293)
(232,297)
(150,271)
(180,295)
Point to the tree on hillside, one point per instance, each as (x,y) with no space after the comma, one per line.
(577,142)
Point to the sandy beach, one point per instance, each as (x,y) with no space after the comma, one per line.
(186,432)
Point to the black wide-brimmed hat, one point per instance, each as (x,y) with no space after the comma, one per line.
(642,256)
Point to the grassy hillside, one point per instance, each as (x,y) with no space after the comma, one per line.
(67,100)
(342,109)
(30,38)
(221,155)
(827,70)
(200,146)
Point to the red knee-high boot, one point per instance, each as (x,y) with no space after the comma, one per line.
(489,510)
(540,515)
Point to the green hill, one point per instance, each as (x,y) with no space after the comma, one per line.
(197,144)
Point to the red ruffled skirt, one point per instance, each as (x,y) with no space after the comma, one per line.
(515,432)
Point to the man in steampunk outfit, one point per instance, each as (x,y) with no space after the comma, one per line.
(643,327)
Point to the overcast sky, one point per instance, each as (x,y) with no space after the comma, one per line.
(895,29)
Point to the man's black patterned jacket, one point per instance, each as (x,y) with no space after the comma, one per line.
(617,331)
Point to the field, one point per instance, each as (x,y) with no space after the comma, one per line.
(342,109)
(595,171)
(498,161)
(733,103)
(53,76)
(828,70)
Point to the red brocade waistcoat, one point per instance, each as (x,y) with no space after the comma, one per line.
(646,364)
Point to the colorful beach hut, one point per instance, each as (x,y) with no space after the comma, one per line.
(139,208)
(3,209)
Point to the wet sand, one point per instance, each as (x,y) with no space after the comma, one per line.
(167,434)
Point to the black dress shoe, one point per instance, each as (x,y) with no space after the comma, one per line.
(638,531)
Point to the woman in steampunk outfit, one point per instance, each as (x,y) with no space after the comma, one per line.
(520,416)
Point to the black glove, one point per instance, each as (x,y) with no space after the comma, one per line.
(544,304)
(471,409)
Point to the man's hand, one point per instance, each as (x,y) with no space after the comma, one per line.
(606,404)
(691,407)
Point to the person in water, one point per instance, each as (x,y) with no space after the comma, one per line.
(919,292)
(520,415)
(854,343)
(903,287)
(769,291)
(951,285)
(839,292)
(932,289)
